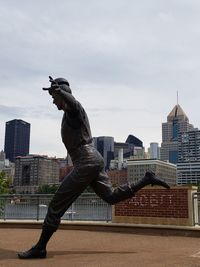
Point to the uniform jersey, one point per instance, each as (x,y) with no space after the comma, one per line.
(75,129)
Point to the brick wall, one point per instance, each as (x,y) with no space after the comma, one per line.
(118,177)
(157,206)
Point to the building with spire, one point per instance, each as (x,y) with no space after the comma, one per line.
(177,122)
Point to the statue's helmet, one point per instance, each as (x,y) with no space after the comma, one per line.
(62,83)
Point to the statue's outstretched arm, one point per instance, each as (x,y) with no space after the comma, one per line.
(68,98)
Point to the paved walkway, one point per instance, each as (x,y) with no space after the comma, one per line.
(77,248)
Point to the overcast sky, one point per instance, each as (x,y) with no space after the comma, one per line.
(124,59)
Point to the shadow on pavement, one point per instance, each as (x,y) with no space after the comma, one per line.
(6,254)
(51,254)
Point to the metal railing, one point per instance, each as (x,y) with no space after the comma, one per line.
(196,208)
(34,207)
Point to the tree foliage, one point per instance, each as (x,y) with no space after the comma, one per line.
(4,183)
(47,189)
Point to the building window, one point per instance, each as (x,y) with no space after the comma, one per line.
(26,174)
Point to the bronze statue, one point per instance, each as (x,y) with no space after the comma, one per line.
(88,167)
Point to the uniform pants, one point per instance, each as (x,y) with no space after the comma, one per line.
(88,171)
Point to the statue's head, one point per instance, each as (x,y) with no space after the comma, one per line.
(60,82)
(55,84)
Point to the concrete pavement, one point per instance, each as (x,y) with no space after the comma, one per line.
(83,248)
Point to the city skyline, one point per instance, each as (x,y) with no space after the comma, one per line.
(125,61)
(64,155)
(146,148)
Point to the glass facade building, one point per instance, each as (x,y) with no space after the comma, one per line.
(105,146)
(188,166)
(17,139)
(131,148)
(154,151)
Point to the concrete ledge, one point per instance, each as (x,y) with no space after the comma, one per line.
(142,229)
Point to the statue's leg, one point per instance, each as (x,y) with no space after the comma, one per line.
(72,186)
(149,179)
(103,187)
(66,194)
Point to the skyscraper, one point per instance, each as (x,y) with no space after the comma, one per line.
(17,139)
(105,146)
(189,146)
(136,148)
(131,148)
(154,151)
(177,122)
(188,166)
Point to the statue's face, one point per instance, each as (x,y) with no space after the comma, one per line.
(58,101)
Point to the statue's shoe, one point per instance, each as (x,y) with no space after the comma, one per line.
(151,179)
(33,253)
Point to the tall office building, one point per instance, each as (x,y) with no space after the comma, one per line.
(105,146)
(189,146)
(133,147)
(17,139)
(188,166)
(154,151)
(177,122)
(118,146)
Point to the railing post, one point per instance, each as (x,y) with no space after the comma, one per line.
(196,208)
(5,209)
(72,214)
(193,209)
(38,208)
(108,209)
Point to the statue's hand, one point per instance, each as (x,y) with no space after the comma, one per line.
(53,89)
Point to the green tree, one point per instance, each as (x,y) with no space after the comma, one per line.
(4,183)
(47,189)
